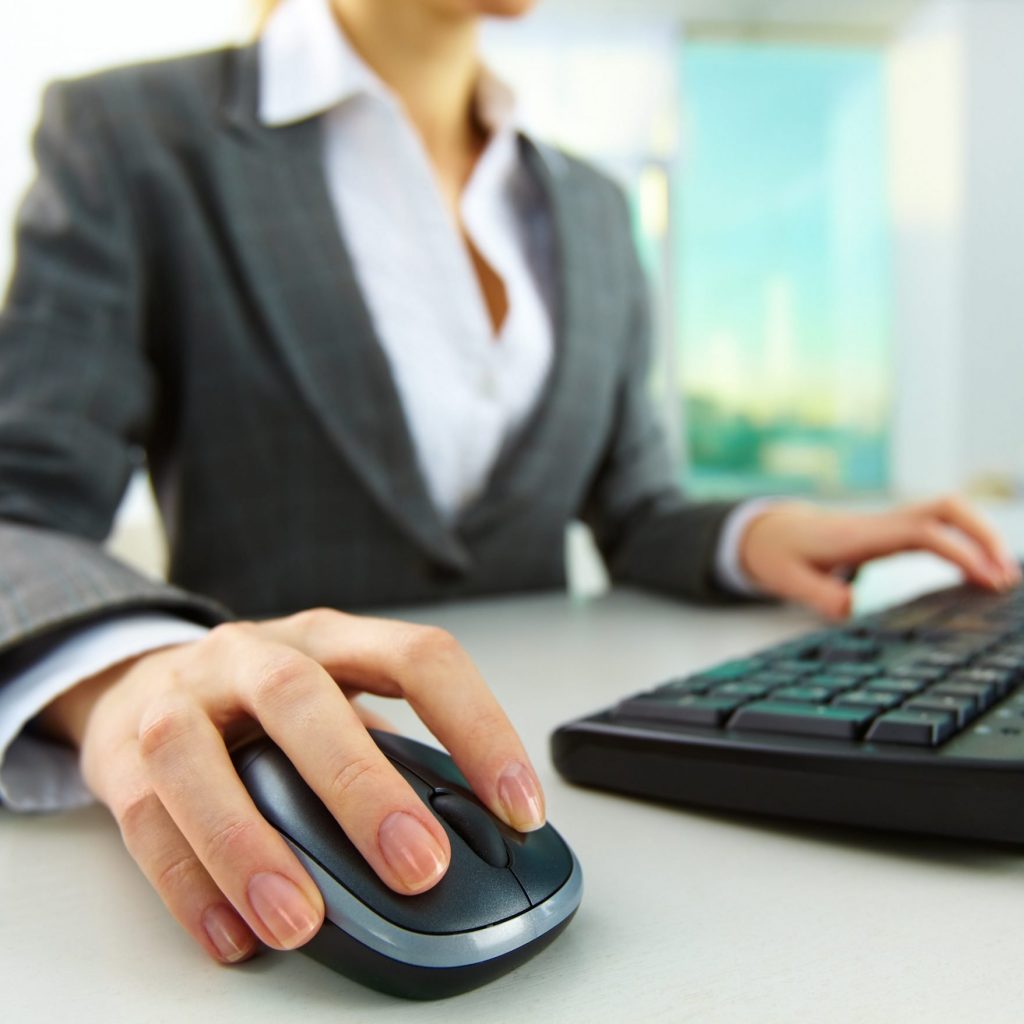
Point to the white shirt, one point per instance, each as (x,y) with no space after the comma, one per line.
(428,311)
(412,266)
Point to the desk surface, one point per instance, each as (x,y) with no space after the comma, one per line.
(686,916)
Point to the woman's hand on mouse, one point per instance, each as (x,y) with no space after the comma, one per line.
(797,551)
(153,735)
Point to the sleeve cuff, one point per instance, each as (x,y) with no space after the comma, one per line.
(729,572)
(36,775)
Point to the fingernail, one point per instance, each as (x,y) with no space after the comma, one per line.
(520,798)
(283,908)
(228,933)
(1004,579)
(993,574)
(411,851)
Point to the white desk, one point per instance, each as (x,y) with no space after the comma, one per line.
(686,916)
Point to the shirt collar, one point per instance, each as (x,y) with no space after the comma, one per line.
(308,66)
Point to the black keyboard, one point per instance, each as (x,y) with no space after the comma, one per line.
(910,719)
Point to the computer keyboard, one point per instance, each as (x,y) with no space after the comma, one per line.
(911,719)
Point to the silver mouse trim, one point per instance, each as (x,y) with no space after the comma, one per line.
(458,949)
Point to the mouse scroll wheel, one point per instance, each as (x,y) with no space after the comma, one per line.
(473,825)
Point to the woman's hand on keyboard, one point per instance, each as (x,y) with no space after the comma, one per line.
(797,551)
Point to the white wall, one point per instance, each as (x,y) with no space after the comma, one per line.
(957,143)
(993,253)
(926,132)
(45,39)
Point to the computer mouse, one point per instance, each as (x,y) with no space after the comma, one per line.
(505,896)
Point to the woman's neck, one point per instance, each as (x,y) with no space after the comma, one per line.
(429,60)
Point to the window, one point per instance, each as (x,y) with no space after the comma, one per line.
(781,286)
(758,176)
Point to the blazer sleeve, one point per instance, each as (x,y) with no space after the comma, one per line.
(76,387)
(649,533)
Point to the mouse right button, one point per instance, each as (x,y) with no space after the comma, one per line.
(541,863)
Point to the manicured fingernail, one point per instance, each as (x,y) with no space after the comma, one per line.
(520,798)
(228,933)
(283,908)
(411,851)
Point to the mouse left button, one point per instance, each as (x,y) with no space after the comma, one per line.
(473,825)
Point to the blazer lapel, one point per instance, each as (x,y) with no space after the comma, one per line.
(288,238)
(553,431)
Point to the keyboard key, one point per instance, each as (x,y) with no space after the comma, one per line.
(1002,679)
(929,673)
(984,694)
(963,708)
(802,719)
(890,685)
(731,669)
(855,670)
(802,694)
(686,685)
(746,690)
(905,619)
(834,683)
(982,675)
(879,630)
(917,728)
(770,679)
(941,659)
(1008,662)
(795,668)
(850,649)
(880,700)
(689,709)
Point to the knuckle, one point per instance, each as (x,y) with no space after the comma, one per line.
(134,812)
(164,726)
(227,634)
(428,645)
(844,533)
(279,679)
(177,874)
(952,504)
(228,840)
(315,620)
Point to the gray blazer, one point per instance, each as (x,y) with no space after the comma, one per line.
(182,298)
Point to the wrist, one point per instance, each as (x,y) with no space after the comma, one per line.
(67,717)
(758,537)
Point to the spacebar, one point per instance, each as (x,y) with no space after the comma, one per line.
(802,719)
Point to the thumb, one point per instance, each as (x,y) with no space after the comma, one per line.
(825,593)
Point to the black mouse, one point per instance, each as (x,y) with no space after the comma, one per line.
(505,895)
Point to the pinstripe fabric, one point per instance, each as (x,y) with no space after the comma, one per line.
(182,293)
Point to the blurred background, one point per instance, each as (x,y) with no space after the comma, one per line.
(828,197)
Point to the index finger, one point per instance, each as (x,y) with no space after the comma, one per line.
(427,667)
